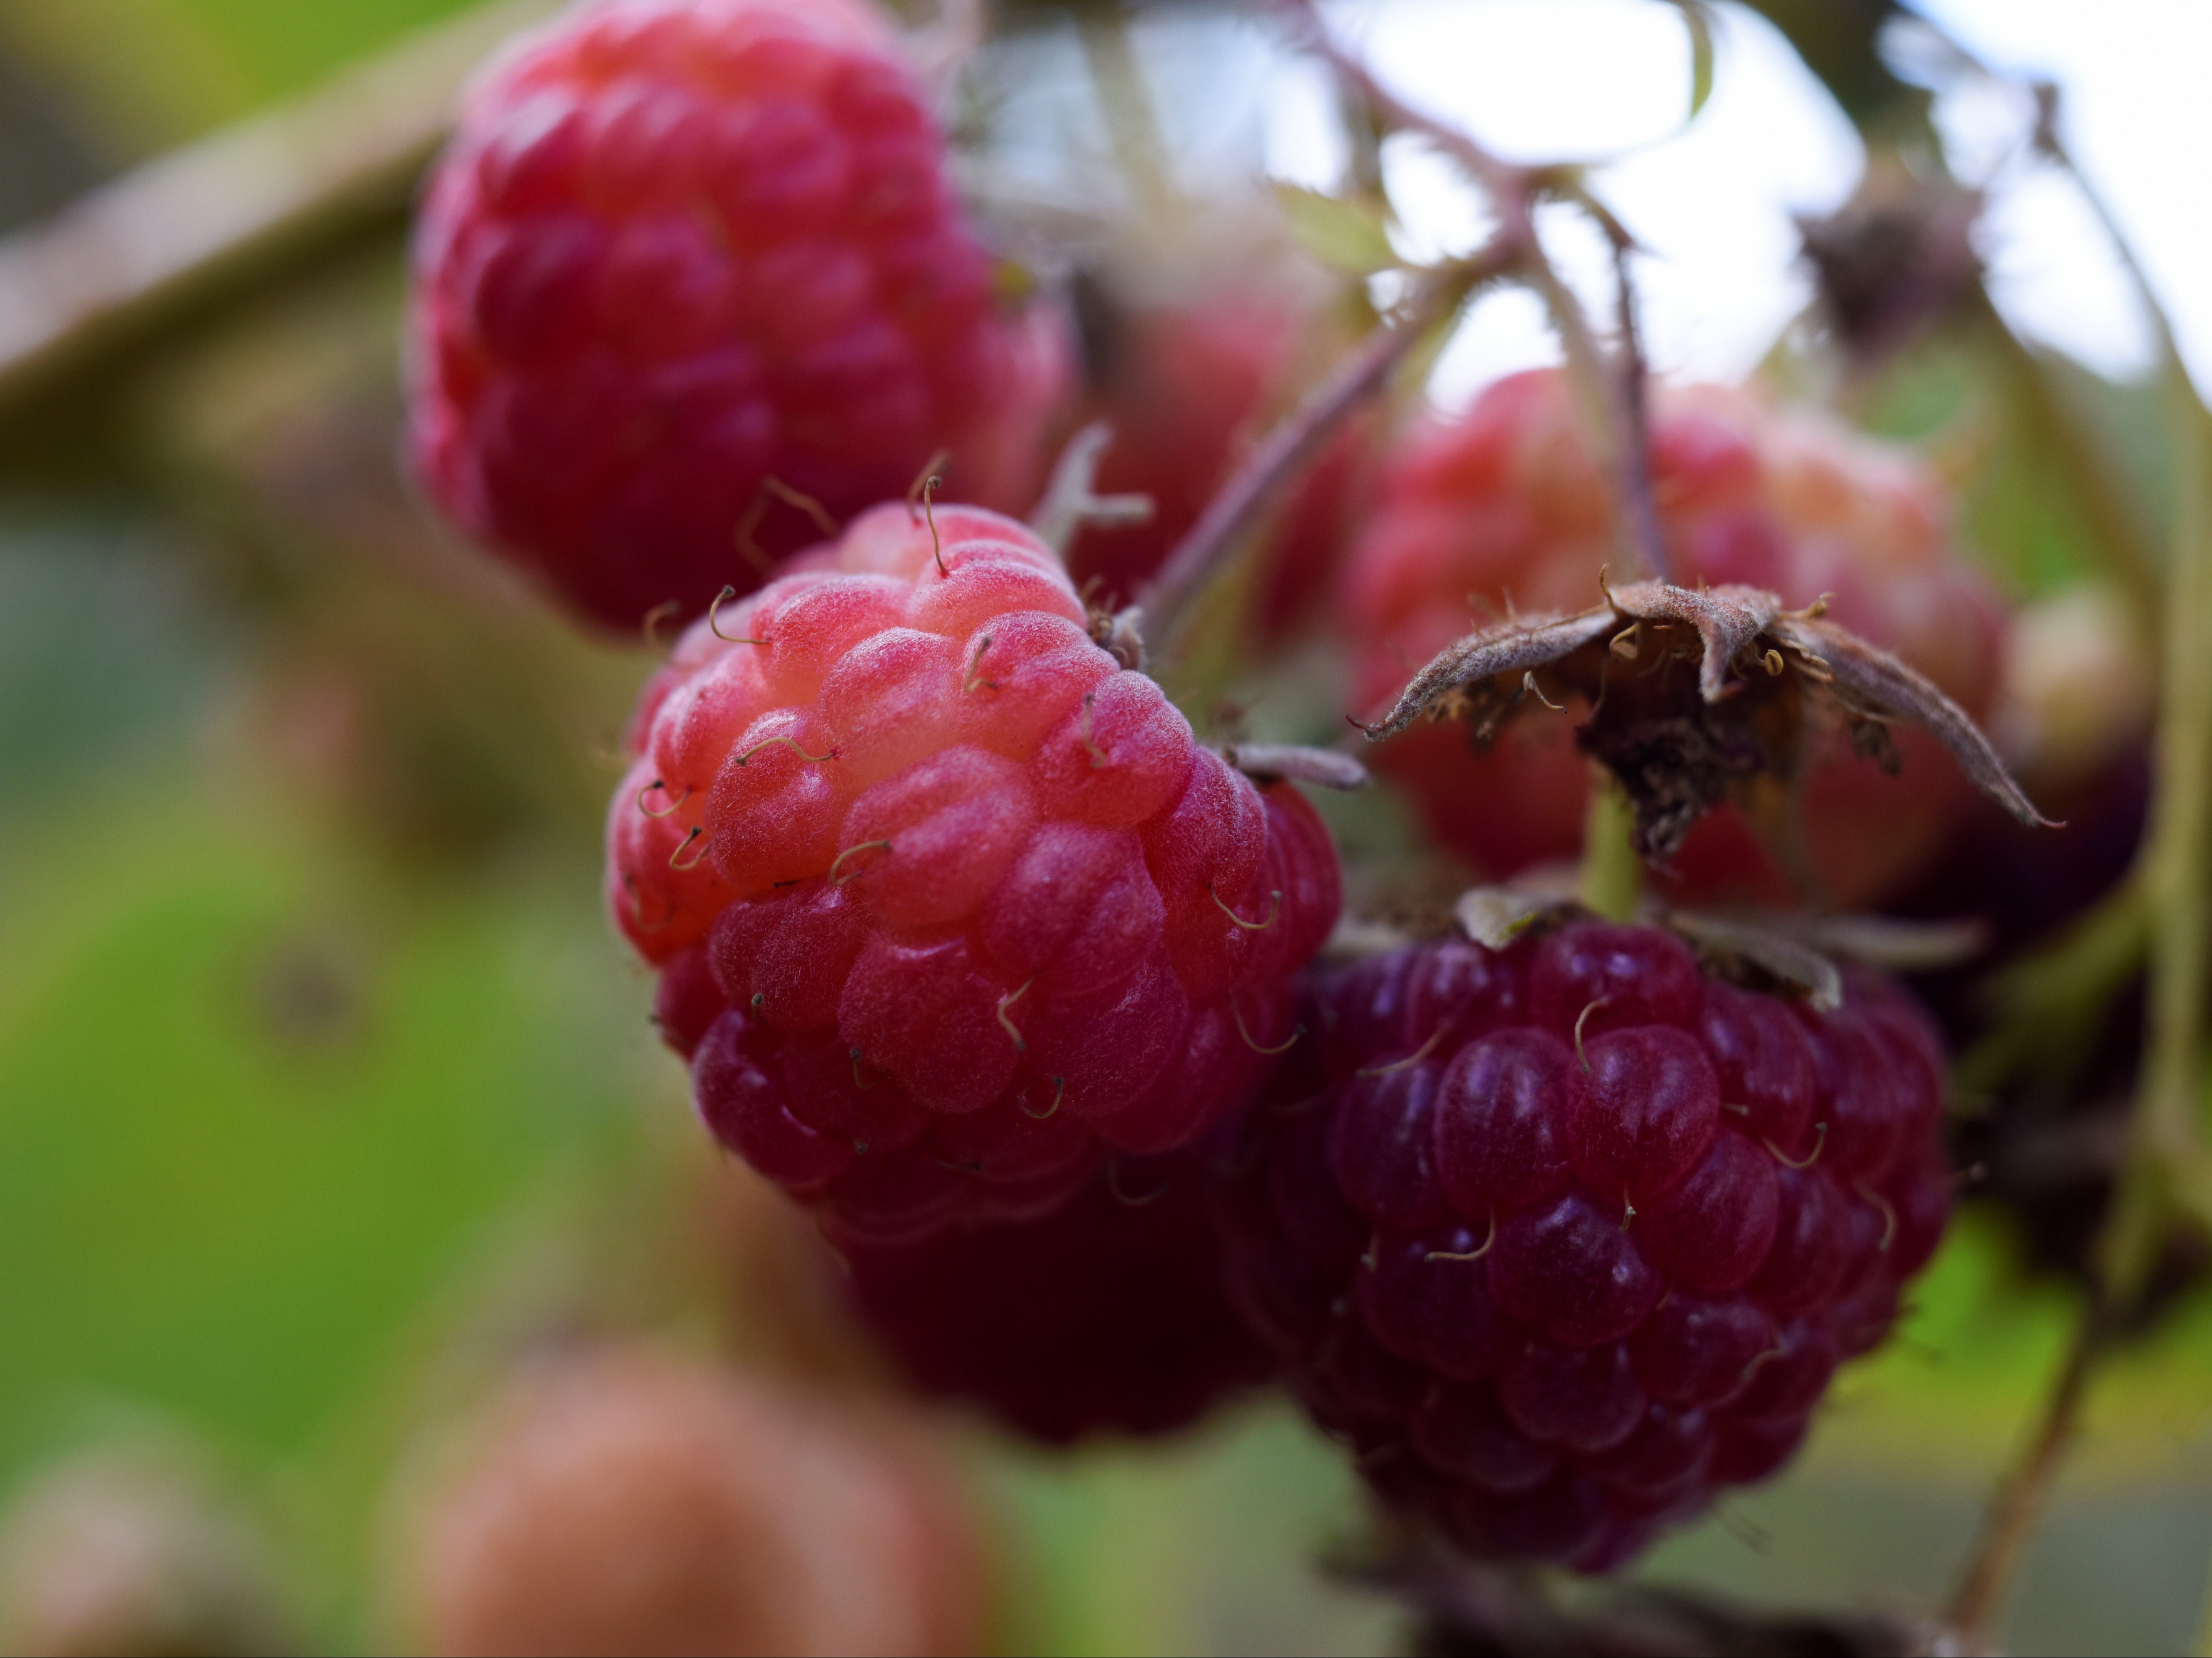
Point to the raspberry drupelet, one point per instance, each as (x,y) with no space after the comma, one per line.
(1107,1317)
(692,272)
(949,902)
(1564,1238)
(1505,509)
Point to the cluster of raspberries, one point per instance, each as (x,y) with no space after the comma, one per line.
(1562,1237)
(951,904)
(975,951)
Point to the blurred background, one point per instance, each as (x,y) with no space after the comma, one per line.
(326,1089)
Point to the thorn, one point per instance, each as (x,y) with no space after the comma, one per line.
(1114,1185)
(768,742)
(1021,1046)
(1528,683)
(637,907)
(1581,1018)
(806,504)
(929,486)
(858,1081)
(1283,1046)
(1058,1089)
(1097,754)
(1889,1216)
(1772,661)
(673,807)
(975,669)
(1821,1141)
(837,880)
(927,478)
(653,617)
(715,627)
(696,858)
(1411,1058)
(1274,908)
(1446,1255)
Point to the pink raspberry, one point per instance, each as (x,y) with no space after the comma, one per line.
(1106,1317)
(679,250)
(1504,508)
(1563,1238)
(949,902)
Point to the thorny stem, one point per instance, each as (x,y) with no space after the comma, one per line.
(1296,439)
(2020,1497)
(1612,403)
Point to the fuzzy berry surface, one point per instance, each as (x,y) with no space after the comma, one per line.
(1107,1317)
(948,903)
(1503,510)
(678,249)
(1564,1238)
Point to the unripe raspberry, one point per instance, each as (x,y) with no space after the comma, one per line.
(1562,1237)
(976,904)
(619,1502)
(1106,1317)
(1188,388)
(678,249)
(1505,508)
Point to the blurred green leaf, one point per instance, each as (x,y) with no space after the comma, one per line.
(1345,235)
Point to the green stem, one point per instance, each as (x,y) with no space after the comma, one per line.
(1612,871)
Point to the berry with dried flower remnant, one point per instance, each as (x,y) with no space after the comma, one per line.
(1106,1317)
(1505,511)
(971,905)
(1564,1238)
(618,1501)
(692,284)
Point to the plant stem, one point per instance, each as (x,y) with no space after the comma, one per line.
(1612,873)
(1293,442)
(2020,1497)
(1612,404)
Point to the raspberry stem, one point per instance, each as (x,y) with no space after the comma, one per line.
(1612,873)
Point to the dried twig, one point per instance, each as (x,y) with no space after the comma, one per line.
(216,219)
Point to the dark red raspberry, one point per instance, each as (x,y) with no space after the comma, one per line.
(1562,1238)
(1505,508)
(948,901)
(1107,1317)
(679,248)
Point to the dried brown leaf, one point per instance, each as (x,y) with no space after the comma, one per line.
(1323,767)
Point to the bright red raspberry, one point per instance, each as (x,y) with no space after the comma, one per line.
(1505,509)
(1563,1238)
(949,901)
(678,249)
(1188,388)
(1106,1317)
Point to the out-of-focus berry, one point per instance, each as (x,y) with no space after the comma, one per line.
(1188,388)
(1564,1237)
(1106,1317)
(976,904)
(619,1502)
(113,1554)
(684,259)
(1504,509)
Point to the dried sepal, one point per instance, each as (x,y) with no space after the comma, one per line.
(1268,763)
(1695,696)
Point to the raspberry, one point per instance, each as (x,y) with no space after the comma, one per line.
(1506,506)
(678,249)
(617,1501)
(1107,1317)
(1188,388)
(1562,1238)
(948,901)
